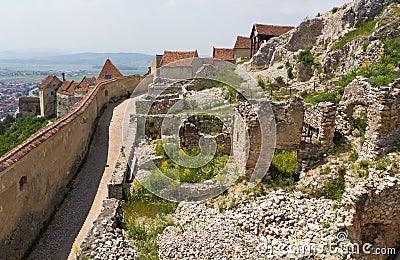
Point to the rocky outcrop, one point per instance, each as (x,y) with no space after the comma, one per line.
(305,35)
(367,10)
(304,71)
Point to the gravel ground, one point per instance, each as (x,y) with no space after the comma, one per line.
(59,237)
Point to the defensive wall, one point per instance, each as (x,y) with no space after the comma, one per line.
(35,174)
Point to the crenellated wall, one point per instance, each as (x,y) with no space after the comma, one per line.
(34,175)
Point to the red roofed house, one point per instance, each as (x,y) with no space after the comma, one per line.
(47,95)
(71,92)
(263,32)
(108,72)
(176,64)
(224,54)
(242,48)
(172,56)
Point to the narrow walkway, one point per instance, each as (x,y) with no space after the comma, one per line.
(83,204)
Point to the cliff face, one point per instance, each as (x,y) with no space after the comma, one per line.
(341,39)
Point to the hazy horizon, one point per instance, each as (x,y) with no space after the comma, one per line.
(146,27)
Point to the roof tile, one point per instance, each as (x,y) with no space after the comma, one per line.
(223,54)
(273,30)
(243,42)
(172,56)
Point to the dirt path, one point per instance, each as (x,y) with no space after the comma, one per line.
(81,207)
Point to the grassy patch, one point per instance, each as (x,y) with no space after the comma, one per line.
(283,170)
(380,73)
(314,97)
(242,61)
(189,175)
(333,189)
(364,30)
(146,216)
(360,123)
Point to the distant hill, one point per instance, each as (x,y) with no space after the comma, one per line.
(123,60)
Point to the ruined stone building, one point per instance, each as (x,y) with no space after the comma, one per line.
(28,106)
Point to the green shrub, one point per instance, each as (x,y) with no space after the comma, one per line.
(335,9)
(260,82)
(279,80)
(290,73)
(364,164)
(145,216)
(326,170)
(283,169)
(242,61)
(381,165)
(346,79)
(306,57)
(379,73)
(280,67)
(360,123)
(333,189)
(365,45)
(174,171)
(353,156)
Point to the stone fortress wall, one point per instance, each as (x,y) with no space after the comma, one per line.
(35,174)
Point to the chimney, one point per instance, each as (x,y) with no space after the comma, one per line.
(63,76)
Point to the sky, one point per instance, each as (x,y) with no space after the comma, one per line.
(142,26)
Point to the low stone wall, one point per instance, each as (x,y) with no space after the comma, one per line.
(35,174)
(289,119)
(116,185)
(105,240)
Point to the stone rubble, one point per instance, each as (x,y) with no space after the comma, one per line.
(250,230)
(106,239)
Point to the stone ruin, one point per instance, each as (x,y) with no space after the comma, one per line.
(383,116)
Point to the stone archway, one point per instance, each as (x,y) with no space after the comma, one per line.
(383,115)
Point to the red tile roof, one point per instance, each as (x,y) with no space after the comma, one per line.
(243,42)
(85,84)
(110,71)
(50,79)
(172,56)
(273,30)
(223,54)
(68,88)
